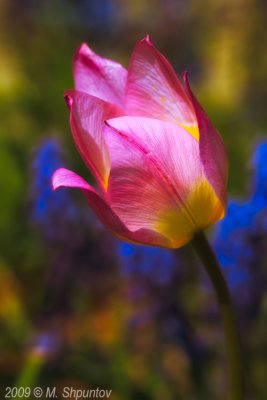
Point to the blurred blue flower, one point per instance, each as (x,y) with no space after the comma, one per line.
(50,210)
(95,14)
(45,344)
(147,261)
(260,181)
(237,236)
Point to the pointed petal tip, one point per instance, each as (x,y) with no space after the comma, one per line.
(148,40)
(68,98)
(145,41)
(55,180)
(185,76)
(83,49)
(83,46)
(63,177)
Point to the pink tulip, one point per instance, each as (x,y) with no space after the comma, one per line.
(160,165)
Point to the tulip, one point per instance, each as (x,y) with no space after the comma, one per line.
(160,165)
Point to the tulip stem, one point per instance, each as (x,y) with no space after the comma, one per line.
(214,271)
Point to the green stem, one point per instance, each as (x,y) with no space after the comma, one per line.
(213,269)
(30,371)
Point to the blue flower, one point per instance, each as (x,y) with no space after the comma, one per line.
(147,261)
(51,211)
(259,162)
(234,239)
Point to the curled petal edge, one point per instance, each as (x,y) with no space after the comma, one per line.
(99,76)
(87,116)
(65,178)
(213,153)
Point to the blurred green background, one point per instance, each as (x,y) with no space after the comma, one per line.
(72,327)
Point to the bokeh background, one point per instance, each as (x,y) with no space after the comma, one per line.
(77,307)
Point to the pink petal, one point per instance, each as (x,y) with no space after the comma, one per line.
(153,89)
(87,115)
(65,178)
(212,150)
(154,167)
(98,76)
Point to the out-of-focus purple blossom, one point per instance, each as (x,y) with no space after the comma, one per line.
(147,261)
(98,14)
(45,344)
(259,162)
(239,237)
(51,212)
(80,253)
(230,242)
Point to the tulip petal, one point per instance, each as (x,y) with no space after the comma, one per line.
(204,206)
(98,76)
(213,153)
(153,89)
(66,178)
(87,115)
(156,174)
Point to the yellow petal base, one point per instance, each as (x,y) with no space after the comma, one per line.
(202,208)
